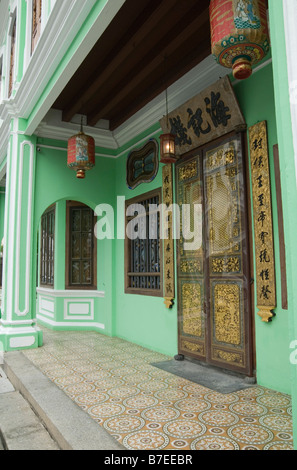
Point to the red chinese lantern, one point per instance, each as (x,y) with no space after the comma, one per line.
(81,153)
(239,34)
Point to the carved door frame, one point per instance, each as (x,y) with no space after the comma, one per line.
(248,365)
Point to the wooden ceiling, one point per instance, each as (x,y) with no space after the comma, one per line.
(148,46)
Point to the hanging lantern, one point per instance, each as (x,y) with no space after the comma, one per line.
(81,153)
(239,34)
(167,150)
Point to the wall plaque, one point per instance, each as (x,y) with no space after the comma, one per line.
(169,277)
(142,164)
(209,115)
(263,227)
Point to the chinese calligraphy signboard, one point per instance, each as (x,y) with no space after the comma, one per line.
(263,228)
(169,278)
(210,114)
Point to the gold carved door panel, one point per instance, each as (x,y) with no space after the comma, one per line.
(192,324)
(213,278)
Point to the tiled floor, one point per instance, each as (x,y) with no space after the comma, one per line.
(147,408)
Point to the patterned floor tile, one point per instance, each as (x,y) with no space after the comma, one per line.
(146,408)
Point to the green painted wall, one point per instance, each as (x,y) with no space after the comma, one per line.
(288,178)
(142,319)
(56,183)
(256,99)
(145,320)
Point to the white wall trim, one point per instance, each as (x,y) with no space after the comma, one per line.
(17,322)
(70,293)
(90,325)
(20,330)
(68,315)
(9,230)
(28,234)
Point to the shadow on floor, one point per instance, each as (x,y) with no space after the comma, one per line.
(209,377)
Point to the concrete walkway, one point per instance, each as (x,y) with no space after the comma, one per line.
(20,427)
(36,415)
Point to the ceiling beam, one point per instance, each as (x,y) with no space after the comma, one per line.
(189,61)
(191,27)
(127,47)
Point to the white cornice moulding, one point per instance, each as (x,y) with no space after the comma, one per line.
(62,26)
(53,127)
(57,44)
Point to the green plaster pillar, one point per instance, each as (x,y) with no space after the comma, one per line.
(18,329)
(283,17)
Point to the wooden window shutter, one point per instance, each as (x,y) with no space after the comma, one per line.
(12,58)
(36,22)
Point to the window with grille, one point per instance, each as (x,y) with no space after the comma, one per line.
(12,58)
(143,247)
(47,248)
(81,247)
(36,22)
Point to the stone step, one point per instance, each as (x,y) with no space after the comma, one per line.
(70,426)
(20,428)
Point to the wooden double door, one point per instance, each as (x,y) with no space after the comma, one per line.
(214,311)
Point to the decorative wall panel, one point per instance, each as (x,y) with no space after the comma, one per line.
(169,273)
(263,229)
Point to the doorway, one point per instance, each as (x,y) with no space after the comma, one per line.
(213,273)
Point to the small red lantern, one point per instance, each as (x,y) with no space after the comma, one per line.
(167,151)
(81,153)
(239,34)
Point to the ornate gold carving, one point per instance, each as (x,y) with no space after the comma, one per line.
(191,266)
(168,302)
(221,157)
(191,309)
(193,347)
(226,265)
(188,171)
(263,227)
(169,275)
(227,310)
(228,356)
(266,313)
